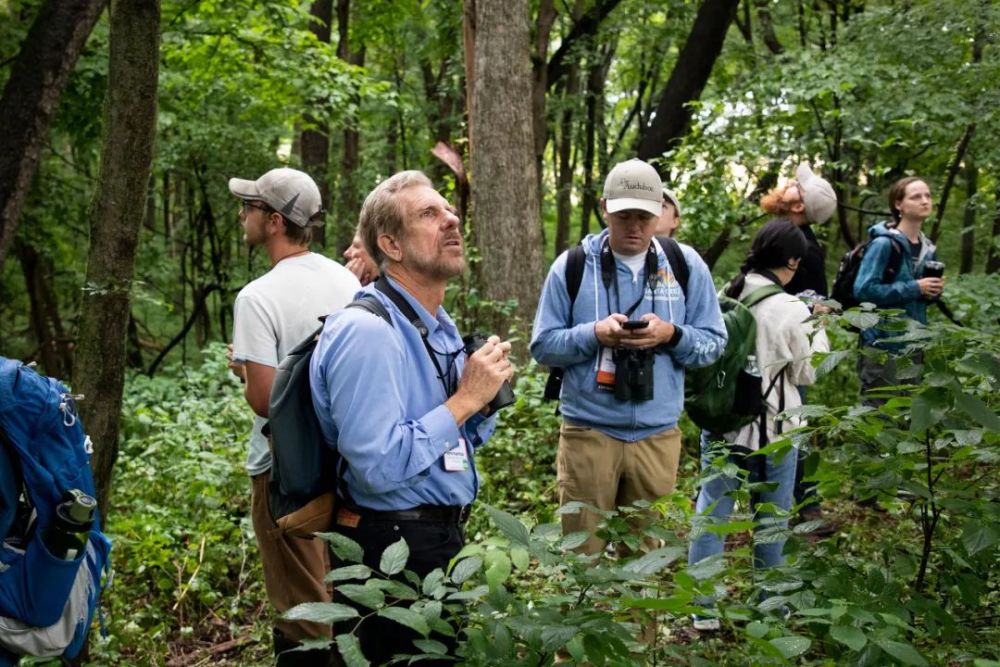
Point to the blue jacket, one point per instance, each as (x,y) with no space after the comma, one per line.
(902,292)
(567,340)
(380,403)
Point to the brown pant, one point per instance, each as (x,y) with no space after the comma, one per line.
(294,567)
(605,472)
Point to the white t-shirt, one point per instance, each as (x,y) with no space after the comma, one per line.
(276,312)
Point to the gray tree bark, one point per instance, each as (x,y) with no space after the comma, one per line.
(505,213)
(116,217)
(30,98)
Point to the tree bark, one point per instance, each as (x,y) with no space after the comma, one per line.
(505,203)
(564,172)
(314,142)
(30,98)
(949,181)
(349,204)
(993,256)
(53,344)
(969,221)
(116,216)
(688,78)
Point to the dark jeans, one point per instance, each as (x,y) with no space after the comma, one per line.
(432,545)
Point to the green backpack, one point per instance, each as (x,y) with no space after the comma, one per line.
(727,395)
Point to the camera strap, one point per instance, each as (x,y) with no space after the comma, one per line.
(447,376)
(609,276)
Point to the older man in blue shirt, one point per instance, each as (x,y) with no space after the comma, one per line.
(402,402)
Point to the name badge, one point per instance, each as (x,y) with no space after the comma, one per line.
(457,459)
(606,370)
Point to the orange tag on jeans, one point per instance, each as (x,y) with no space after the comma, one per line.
(346,517)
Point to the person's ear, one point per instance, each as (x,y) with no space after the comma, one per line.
(390,247)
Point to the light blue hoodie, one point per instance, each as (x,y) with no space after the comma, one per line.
(568,341)
(902,291)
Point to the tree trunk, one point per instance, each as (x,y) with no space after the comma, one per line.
(53,345)
(349,204)
(564,173)
(116,216)
(969,222)
(993,256)
(505,211)
(949,180)
(30,98)
(688,78)
(315,139)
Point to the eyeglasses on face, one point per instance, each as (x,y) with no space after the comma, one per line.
(248,204)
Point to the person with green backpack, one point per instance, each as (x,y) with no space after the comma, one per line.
(772,370)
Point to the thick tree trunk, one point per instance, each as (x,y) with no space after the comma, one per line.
(349,204)
(564,173)
(314,142)
(688,78)
(969,221)
(505,211)
(30,98)
(53,345)
(116,216)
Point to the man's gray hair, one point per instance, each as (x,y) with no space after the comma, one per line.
(380,214)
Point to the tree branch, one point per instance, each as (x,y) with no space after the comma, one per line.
(586,26)
(956,163)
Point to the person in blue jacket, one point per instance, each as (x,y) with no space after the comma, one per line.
(891,276)
(624,346)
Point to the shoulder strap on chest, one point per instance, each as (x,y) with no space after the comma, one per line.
(576,259)
(759,294)
(371,303)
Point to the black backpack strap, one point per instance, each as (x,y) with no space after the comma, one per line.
(895,260)
(371,303)
(672,249)
(576,260)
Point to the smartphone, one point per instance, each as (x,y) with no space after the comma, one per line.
(635,324)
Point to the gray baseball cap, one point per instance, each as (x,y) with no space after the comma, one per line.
(633,184)
(290,192)
(672,198)
(817,194)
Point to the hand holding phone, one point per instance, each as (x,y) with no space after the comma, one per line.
(635,324)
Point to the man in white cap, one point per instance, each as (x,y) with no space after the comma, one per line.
(806,200)
(670,215)
(273,314)
(623,343)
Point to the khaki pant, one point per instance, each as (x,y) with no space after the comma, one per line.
(294,567)
(605,472)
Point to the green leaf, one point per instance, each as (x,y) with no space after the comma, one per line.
(792,645)
(905,653)
(368,596)
(498,570)
(432,581)
(519,556)
(861,319)
(509,525)
(431,646)
(320,612)
(978,410)
(344,547)
(395,589)
(654,561)
(465,568)
(573,540)
(978,536)
(850,636)
(348,572)
(556,636)
(394,558)
(407,617)
(350,650)
(925,411)
(757,629)
(831,360)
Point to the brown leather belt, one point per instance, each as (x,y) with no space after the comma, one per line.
(427,513)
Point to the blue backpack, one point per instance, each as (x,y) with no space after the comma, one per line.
(47,604)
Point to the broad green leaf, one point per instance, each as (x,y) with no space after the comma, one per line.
(861,319)
(431,582)
(515,531)
(431,646)
(905,653)
(556,636)
(792,645)
(344,547)
(348,572)
(498,571)
(831,360)
(465,568)
(350,650)
(320,612)
(395,589)
(407,617)
(368,596)
(850,636)
(977,536)
(978,410)
(654,561)
(394,558)
(520,558)
(573,540)
(474,594)
(926,410)
(757,629)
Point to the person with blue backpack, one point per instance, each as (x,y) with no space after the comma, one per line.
(892,275)
(781,362)
(637,312)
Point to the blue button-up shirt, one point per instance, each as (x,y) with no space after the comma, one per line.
(380,403)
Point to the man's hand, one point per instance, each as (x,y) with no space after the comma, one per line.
(931,288)
(484,372)
(609,330)
(235,366)
(656,333)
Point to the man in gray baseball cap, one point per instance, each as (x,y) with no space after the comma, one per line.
(623,343)
(272,315)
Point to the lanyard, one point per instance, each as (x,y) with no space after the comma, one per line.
(448,375)
(609,275)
